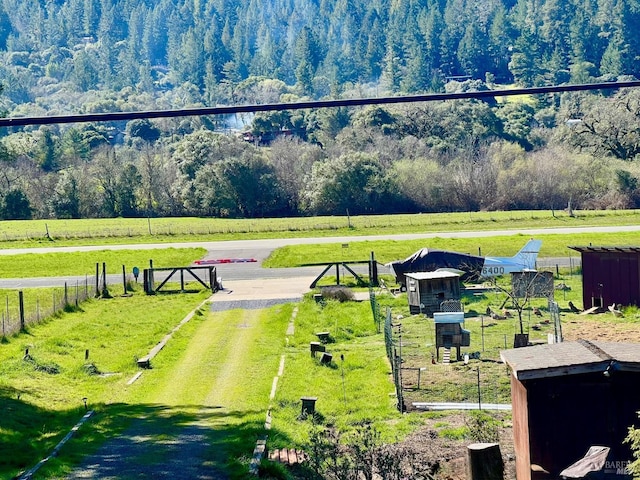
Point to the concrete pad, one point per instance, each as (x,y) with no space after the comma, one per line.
(262,289)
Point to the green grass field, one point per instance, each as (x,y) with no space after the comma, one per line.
(26,233)
(58,264)
(44,392)
(389,250)
(349,391)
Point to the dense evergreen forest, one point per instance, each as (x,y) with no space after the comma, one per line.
(82,56)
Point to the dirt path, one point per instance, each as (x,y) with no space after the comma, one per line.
(197,412)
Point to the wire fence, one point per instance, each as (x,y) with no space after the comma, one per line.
(23,309)
(378,318)
(475,374)
(394,354)
(474,382)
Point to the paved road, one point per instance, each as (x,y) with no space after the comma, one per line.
(260,250)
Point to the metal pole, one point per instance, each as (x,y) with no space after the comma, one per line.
(479,395)
(400,349)
(344,390)
(570,266)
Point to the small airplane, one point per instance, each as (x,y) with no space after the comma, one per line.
(469,267)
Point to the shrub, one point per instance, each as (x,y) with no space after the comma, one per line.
(482,427)
(339,293)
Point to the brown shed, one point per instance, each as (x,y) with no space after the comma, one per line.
(567,397)
(610,275)
(427,290)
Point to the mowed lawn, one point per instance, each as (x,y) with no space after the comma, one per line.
(197,412)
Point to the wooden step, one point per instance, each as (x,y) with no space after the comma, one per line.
(446,356)
(287,456)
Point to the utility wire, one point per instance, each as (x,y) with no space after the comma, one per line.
(189,112)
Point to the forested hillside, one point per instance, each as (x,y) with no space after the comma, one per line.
(405,45)
(81,56)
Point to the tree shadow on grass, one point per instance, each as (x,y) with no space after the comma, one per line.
(154,441)
(28,433)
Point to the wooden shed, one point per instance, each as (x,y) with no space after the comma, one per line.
(610,275)
(427,290)
(568,397)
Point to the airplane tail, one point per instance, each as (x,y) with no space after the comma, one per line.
(528,254)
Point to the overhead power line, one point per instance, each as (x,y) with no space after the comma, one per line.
(268,107)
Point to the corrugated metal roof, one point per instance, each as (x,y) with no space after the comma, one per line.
(431,275)
(587,249)
(570,358)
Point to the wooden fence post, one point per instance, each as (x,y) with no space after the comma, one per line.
(97,279)
(21,306)
(104,278)
(373,271)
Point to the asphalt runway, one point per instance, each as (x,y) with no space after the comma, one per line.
(261,249)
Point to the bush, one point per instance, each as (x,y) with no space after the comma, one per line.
(50,368)
(483,427)
(361,454)
(339,293)
(633,439)
(91,369)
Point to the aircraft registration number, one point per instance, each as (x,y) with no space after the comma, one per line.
(488,271)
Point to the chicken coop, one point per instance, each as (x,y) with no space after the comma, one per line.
(427,290)
(449,332)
